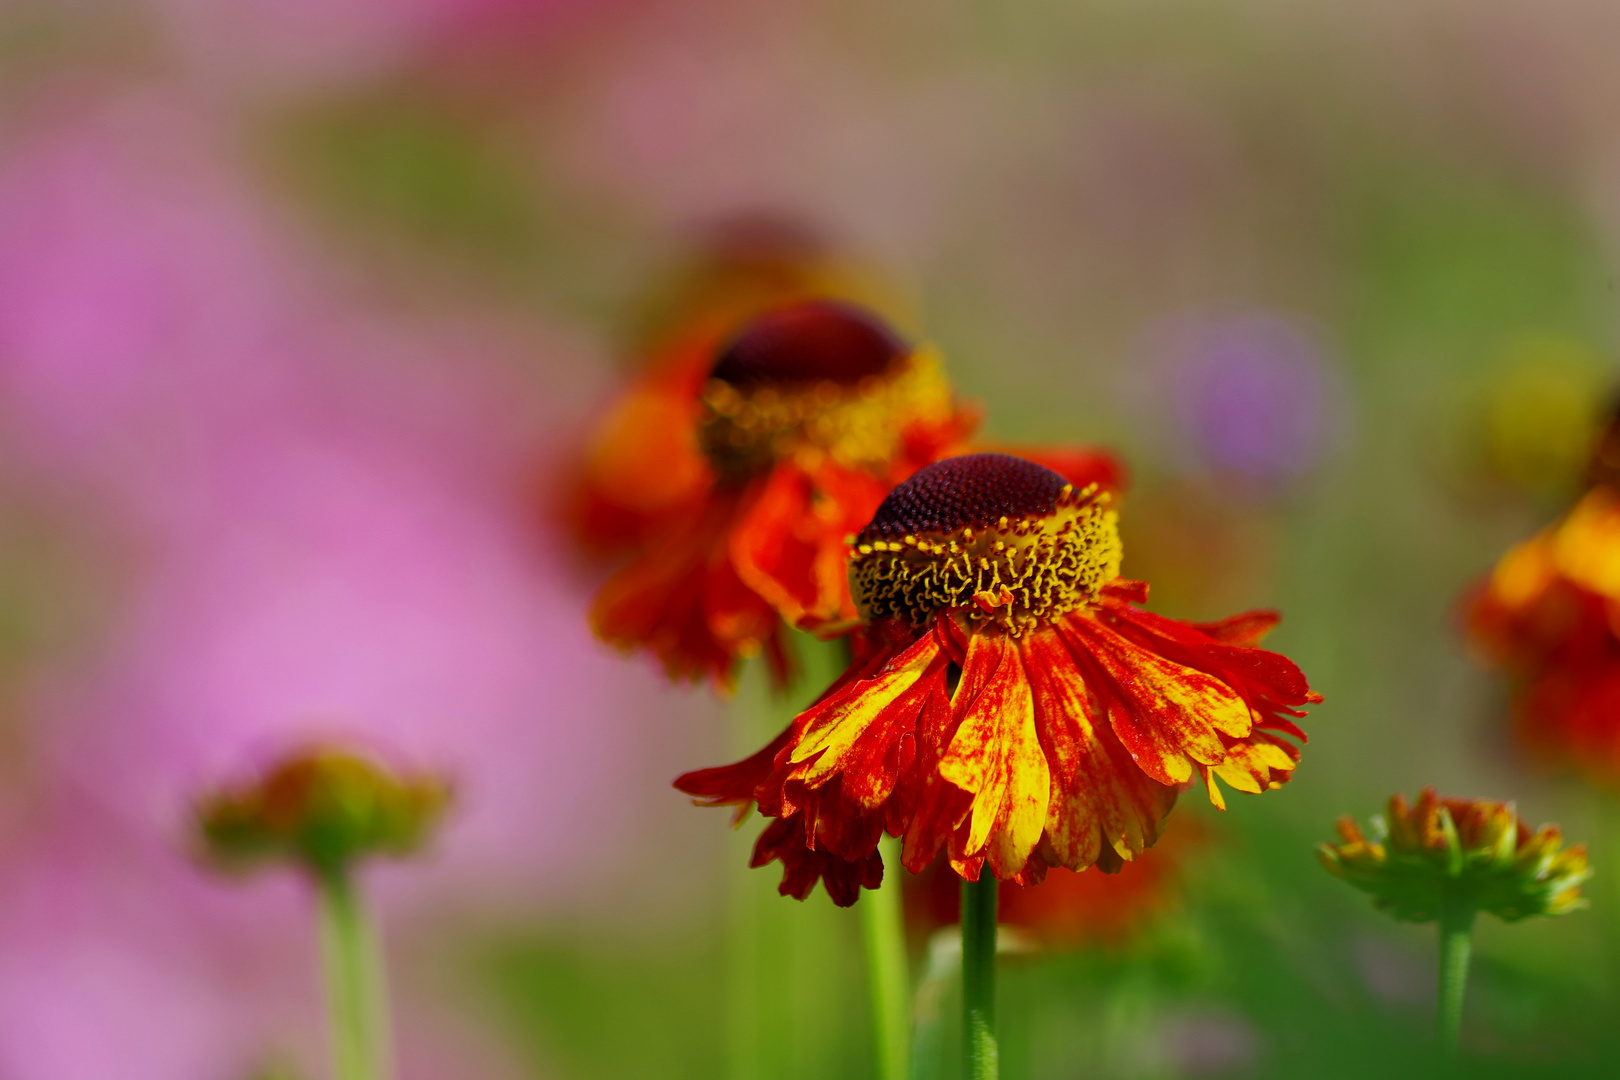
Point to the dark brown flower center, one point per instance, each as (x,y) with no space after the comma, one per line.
(972,491)
(809,342)
(991,538)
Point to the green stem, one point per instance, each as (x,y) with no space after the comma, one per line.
(743,985)
(1456,942)
(940,974)
(979,976)
(883,928)
(351,966)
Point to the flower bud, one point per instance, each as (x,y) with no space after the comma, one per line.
(323,808)
(1466,851)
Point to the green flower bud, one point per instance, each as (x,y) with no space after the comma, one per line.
(1472,851)
(323,808)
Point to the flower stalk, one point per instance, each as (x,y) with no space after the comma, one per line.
(1456,925)
(323,810)
(351,965)
(883,933)
(1445,861)
(979,978)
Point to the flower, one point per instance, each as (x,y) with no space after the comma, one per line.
(807,419)
(1007,701)
(1479,849)
(323,807)
(641,459)
(1547,614)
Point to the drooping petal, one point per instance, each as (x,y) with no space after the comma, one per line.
(1258,763)
(1247,628)
(760,776)
(1268,676)
(662,602)
(642,464)
(1169,716)
(788,544)
(803,866)
(736,784)
(996,756)
(852,732)
(736,616)
(1100,797)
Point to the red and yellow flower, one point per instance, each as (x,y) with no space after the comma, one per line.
(804,423)
(1549,612)
(1008,701)
(642,459)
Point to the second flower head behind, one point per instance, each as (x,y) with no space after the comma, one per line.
(1008,701)
(810,414)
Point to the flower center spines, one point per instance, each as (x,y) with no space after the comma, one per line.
(1013,572)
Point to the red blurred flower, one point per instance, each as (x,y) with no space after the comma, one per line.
(1548,615)
(642,459)
(805,421)
(1007,701)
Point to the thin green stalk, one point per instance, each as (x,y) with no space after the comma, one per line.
(939,976)
(883,928)
(743,985)
(351,965)
(979,977)
(1456,942)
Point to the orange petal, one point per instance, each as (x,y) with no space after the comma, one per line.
(660,602)
(1258,763)
(1169,716)
(853,731)
(996,756)
(1585,547)
(1099,795)
(1247,628)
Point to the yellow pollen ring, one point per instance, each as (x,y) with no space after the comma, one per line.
(1014,573)
(860,426)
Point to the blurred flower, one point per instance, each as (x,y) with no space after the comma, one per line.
(1547,614)
(1006,701)
(807,418)
(638,462)
(1528,426)
(1251,397)
(324,807)
(1420,857)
